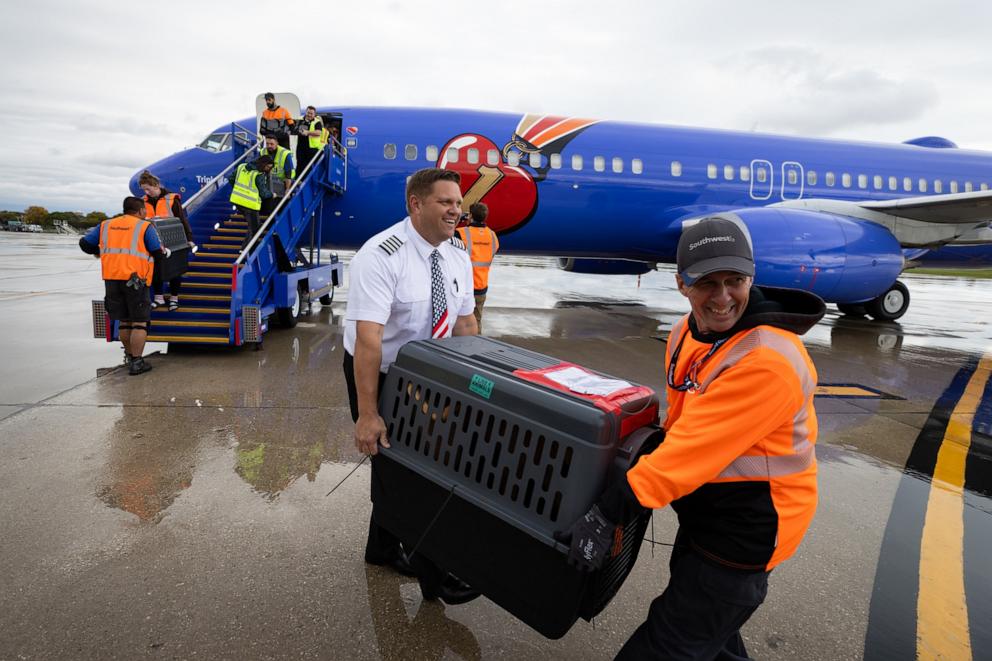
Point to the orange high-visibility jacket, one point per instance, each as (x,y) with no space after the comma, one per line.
(738,462)
(162,208)
(482,245)
(123,251)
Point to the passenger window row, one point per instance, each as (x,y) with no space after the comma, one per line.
(513,158)
(878,182)
(713,171)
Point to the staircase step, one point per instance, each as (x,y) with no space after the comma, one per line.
(192,324)
(225,255)
(226,239)
(222,248)
(206,297)
(242,224)
(189,339)
(206,285)
(202,274)
(241,231)
(211,265)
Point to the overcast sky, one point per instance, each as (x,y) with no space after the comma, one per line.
(97,89)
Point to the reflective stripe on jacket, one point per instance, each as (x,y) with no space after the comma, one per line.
(738,462)
(482,245)
(162,207)
(123,251)
(244,188)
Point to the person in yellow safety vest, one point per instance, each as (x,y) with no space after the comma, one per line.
(127,247)
(249,188)
(309,143)
(163,203)
(282,174)
(482,245)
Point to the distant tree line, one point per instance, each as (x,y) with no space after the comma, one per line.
(35,215)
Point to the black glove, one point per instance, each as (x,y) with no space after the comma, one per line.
(590,540)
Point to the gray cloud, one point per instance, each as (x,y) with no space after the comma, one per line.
(88,108)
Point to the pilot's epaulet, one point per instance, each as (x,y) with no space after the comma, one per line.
(458,243)
(391,245)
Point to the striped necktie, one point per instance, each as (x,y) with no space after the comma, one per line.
(439,302)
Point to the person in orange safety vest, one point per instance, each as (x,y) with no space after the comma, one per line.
(127,247)
(276,120)
(737,463)
(482,245)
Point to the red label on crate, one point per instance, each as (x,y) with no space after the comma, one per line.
(616,403)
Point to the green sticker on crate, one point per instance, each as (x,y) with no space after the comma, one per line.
(481,386)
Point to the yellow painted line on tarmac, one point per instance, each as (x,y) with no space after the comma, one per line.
(942,630)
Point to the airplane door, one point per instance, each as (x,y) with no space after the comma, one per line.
(792,180)
(288,101)
(762,179)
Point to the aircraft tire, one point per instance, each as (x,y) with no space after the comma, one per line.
(852,309)
(327,299)
(891,305)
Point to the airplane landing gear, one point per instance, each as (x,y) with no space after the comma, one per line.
(891,305)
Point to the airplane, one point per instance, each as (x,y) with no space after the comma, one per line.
(842,219)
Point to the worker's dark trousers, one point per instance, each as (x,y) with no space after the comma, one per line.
(700,613)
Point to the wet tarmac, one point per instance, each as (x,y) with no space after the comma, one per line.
(184,513)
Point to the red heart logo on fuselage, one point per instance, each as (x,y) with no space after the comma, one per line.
(509,191)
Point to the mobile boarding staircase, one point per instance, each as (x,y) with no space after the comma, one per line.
(230,294)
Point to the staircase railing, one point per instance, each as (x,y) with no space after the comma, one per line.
(253,270)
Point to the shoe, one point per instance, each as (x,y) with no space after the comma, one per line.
(127,359)
(173,304)
(452,591)
(399,562)
(138,366)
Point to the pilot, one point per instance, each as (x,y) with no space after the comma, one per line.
(282,174)
(127,246)
(163,203)
(310,141)
(737,463)
(276,120)
(409,282)
(482,245)
(249,189)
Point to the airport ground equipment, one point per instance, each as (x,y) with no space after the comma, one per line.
(173,236)
(489,456)
(236,285)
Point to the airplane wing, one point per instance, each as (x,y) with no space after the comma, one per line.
(917,222)
(952,208)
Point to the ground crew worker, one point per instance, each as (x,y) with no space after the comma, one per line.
(276,120)
(163,203)
(249,188)
(282,174)
(408,282)
(482,245)
(127,246)
(737,462)
(310,141)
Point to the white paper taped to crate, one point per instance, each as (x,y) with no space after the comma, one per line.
(580,381)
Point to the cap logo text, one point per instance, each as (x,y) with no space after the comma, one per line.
(710,239)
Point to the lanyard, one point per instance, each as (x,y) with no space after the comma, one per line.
(690,383)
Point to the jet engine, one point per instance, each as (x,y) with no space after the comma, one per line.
(839,258)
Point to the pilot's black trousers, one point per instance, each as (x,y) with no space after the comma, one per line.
(382,546)
(700,614)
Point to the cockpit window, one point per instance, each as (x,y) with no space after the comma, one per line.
(216,142)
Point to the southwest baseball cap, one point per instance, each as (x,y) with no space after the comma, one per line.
(714,244)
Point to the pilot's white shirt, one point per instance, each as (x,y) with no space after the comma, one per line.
(390,284)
